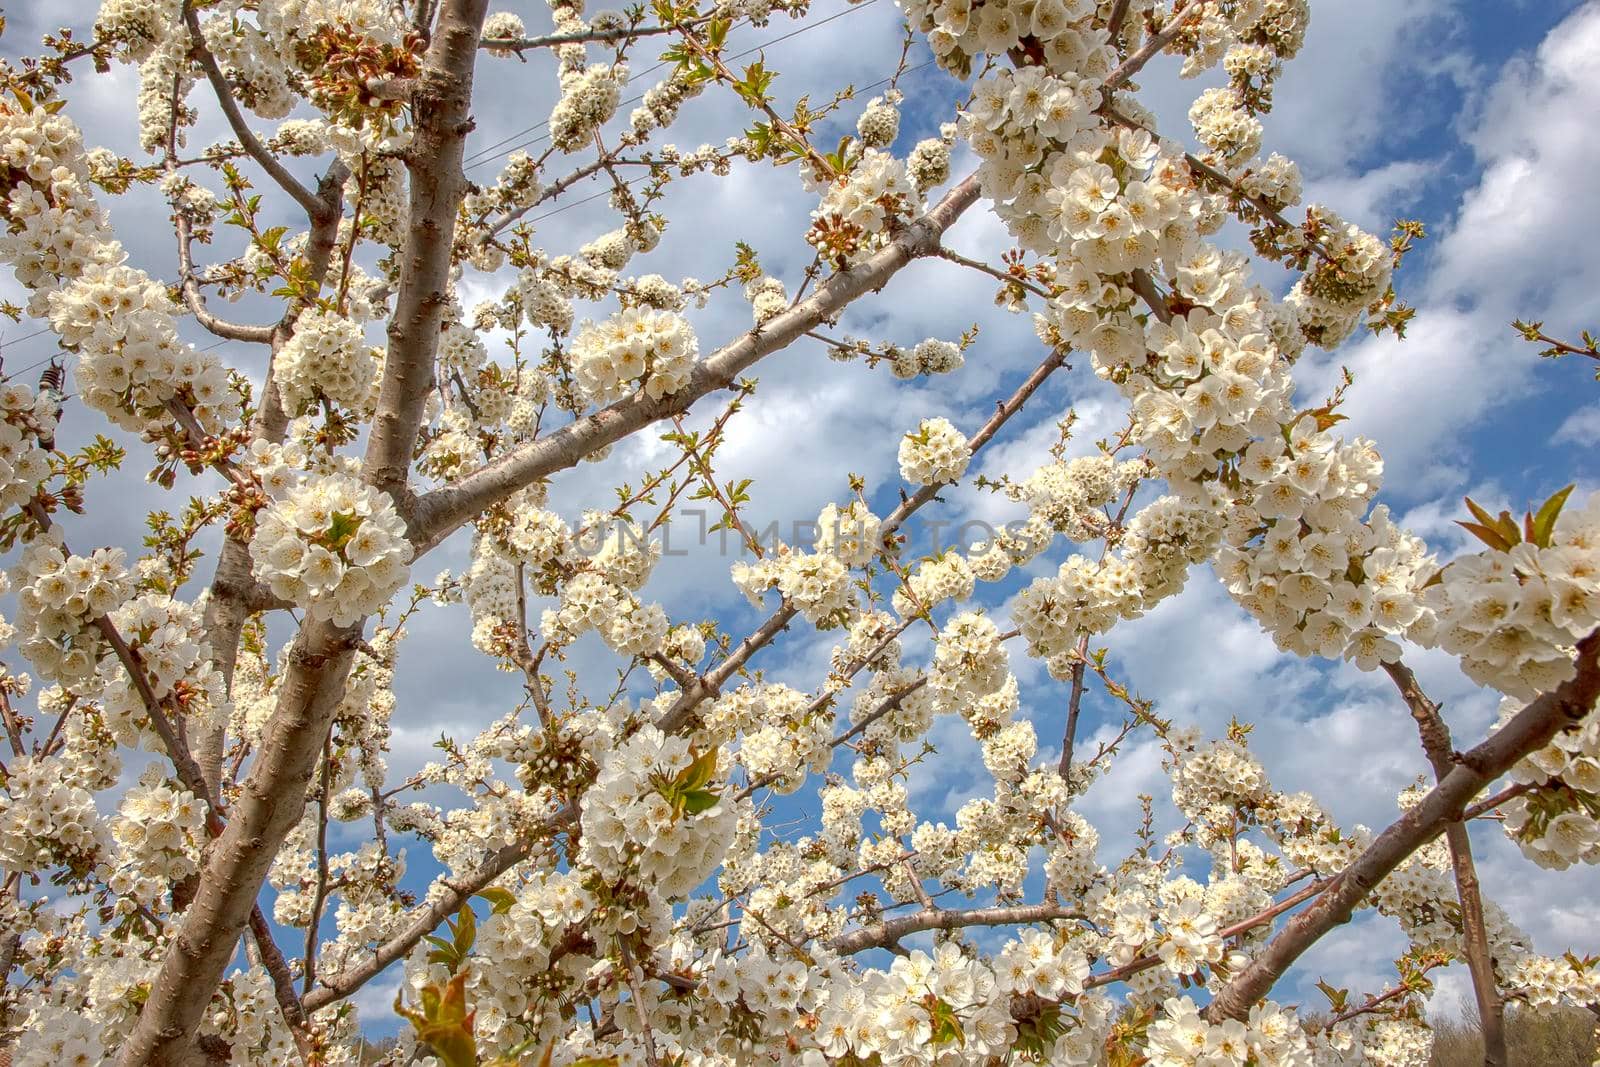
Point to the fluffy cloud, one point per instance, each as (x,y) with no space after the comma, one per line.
(1516,246)
(1582,427)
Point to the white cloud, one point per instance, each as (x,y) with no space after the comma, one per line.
(1582,427)
(1372,199)
(1517,246)
(1520,244)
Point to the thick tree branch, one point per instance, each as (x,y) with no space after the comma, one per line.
(441,105)
(1530,729)
(437,514)
(269,806)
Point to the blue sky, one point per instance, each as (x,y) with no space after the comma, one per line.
(1471,115)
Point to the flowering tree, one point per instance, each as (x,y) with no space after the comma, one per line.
(613,886)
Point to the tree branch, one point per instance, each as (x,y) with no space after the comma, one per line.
(1069,735)
(556,40)
(437,514)
(1136,62)
(1435,736)
(889,931)
(314,206)
(1530,729)
(440,104)
(269,806)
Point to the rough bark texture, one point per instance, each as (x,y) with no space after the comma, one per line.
(269,806)
(273,796)
(441,104)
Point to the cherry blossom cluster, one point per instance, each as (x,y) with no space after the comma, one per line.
(768,298)
(650,817)
(27,420)
(329,360)
(935,453)
(159,831)
(652,350)
(862,208)
(816,583)
(333,546)
(932,582)
(852,533)
(1557,821)
(59,597)
(784,737)
(928,165)
(120,322)
(589,97)
(131,363)
(1181,1037)
(969,662)
(880,120)
(947,1004)
(1511,616)
(1071,495)
(48,817)
(167,636)
(958,34)
(618,813)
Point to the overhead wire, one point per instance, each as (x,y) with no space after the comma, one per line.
(64,353)
(634,181)
(487,155)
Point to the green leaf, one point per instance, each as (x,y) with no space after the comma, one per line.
(341,528)
(1508,526)
(445,1024)
(1478,512)
(1544,523)
(499,898)
(465,930)
(1502,525)
(946,1026)
(698,773)
(698,800)
(1487,535)
(1337,998)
